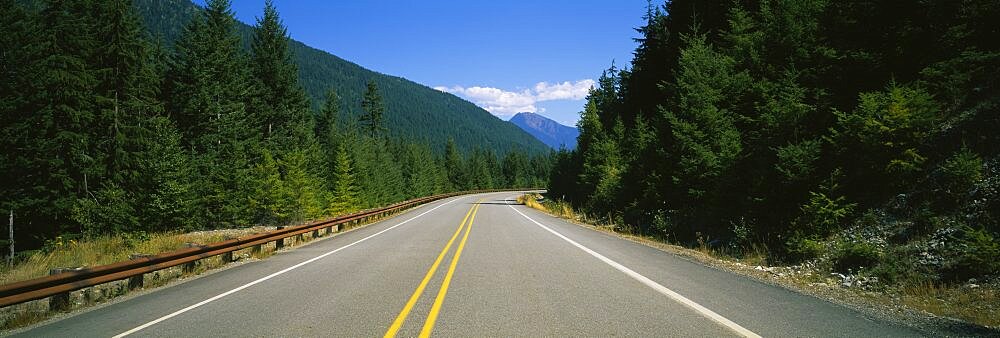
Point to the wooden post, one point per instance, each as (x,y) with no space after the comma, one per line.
(59,302)
(280,243)
(136,282)
(189,267)
(227,257)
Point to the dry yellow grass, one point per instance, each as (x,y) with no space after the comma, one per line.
(980,305)
(105,250)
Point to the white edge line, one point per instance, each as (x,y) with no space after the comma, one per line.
(649,282)
(293,267)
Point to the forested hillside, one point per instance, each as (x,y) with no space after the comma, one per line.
(802,126)
(105,131)
(417,112)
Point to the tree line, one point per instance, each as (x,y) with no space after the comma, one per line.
(782,122)
(107,130)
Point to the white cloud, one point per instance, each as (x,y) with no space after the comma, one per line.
(563,91)
(505,103)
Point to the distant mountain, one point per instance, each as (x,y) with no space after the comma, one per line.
(546,130)
(413,111)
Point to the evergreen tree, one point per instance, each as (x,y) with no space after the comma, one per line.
(209,86)
(282,108)
(35,191)
(373,110)
(302,186)
(326,121)
(344,199)
(455,168)
(706,142)
(64,115)
(420,171)
(143,160)
(271,200)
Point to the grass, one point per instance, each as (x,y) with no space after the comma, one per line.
(98,251)
(979,305)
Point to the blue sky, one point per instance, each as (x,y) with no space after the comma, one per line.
(506,56)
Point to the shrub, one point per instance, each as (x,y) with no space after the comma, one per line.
(961,171)
(854,256)
(975,253)
(821,215)
(804,248)
(956,177)
(899,267)
(796,162)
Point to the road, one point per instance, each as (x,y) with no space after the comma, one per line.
(471,266)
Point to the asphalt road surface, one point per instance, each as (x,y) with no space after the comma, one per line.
(472,266)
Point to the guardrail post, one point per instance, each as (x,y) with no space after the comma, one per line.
(59,302)
(135,282)
(189,267)
(227,257)
(316,234)
(280,243)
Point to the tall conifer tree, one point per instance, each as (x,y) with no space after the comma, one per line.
(374,108)
(209,88)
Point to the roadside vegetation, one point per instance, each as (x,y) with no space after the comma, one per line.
(974,302)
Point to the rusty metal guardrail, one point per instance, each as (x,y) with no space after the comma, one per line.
(62,283)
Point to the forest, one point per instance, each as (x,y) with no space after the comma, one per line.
(107,129)
(783,126)
(418,112)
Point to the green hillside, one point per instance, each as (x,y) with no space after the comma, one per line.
(413,111)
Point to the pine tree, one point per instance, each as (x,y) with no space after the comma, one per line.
(303,187)
(374,108)
(326,121)
(706,139)
(455,168)
(282,106)
(208,86)
(271,200)
(36,192)
(64,111)
(344,199)
(420,171)
(142,157)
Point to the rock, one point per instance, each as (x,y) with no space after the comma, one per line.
(972,286)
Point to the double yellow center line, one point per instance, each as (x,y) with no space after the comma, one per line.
(436,308)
